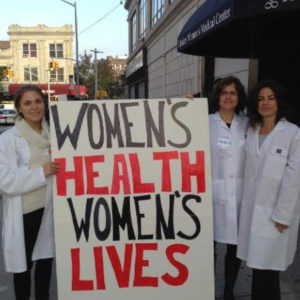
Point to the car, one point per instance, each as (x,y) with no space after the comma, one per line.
(7,116)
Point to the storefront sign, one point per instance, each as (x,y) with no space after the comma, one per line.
(213,21)
(135,64)
(273,4)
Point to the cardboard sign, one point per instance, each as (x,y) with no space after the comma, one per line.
(132,202)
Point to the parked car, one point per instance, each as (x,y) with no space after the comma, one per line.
(7,116)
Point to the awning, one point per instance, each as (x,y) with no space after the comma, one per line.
(55,89)
(241,28)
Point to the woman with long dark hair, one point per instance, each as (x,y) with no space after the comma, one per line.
(270,210)
(25,183)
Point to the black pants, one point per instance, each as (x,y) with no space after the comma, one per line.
(231,270)
(265,285)
(43,267)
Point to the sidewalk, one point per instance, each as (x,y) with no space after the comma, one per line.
(290,280)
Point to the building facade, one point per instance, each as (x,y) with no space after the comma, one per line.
(118,64)
(155,68)
(29,51)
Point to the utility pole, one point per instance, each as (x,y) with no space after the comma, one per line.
(95,51)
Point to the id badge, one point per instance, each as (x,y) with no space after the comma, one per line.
(224,143)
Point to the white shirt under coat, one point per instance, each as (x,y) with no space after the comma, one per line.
(227,168)
(271,194)
(15,180)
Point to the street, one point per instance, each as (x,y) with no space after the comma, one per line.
(290,280)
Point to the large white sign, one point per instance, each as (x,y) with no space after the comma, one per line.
(132,202)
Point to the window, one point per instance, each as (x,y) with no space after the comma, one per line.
(171,1)
(143,18)
(133,32)
(57,76)
(30,74)
(29,50)
(157,10)
(56,50)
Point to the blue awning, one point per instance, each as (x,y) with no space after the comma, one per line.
(235,28)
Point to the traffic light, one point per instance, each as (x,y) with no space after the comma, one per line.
(56,66)
(10,73)
(51,65)
(5,72)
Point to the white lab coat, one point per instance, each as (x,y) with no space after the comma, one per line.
(271,193)
(227,169)
(15,180)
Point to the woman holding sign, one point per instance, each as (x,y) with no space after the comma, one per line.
(228,129)
(25,183)
(270,208)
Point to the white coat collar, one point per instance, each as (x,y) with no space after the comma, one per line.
(280,126)
(217,118)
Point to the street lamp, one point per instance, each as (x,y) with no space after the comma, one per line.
(76,38)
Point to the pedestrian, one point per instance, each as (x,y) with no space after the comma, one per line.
(270,209)
(228,127)
(25,183)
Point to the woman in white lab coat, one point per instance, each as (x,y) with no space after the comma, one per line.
(270,208)
(228,127)
(25,169)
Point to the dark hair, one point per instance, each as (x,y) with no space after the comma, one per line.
(25,88)
(254,117)
(220,84)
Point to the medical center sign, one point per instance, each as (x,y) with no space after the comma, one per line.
(211,23)
(132,201)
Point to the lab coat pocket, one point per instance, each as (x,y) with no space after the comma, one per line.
(274,165)
(218,191)
(262,225)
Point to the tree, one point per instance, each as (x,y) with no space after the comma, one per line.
(87,77)
(117,89)
(105,74)
(107,80)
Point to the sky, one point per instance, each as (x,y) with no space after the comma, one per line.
(109,35)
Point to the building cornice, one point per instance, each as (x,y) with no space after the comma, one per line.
(39,30)
(39,34)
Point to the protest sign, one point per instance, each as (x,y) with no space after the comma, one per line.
(132,201)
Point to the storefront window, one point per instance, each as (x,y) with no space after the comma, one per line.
(56,50)
(57,75)
(30,74)
(143,18)
(29,50)
(133,32)
(157,10)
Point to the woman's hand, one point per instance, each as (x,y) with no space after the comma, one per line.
(281,227)
(51,168)
(189,96)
